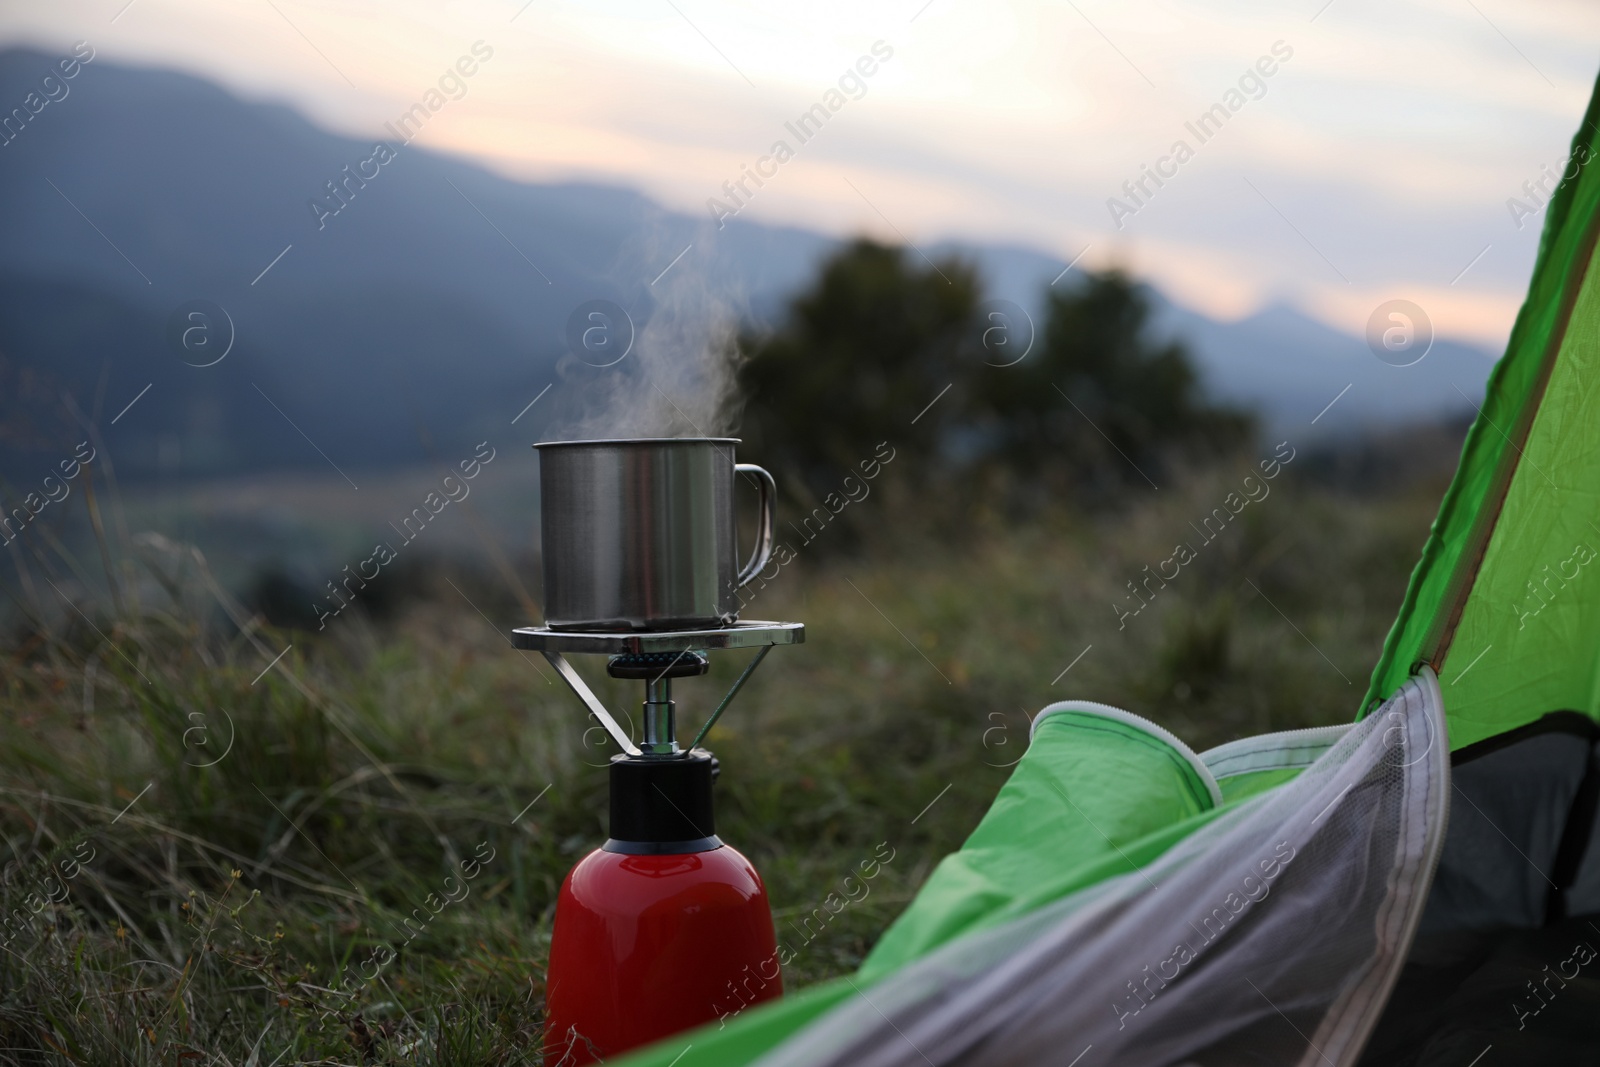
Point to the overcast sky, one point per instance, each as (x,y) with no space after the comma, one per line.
(1375,161)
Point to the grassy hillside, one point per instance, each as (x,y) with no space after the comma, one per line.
(238,849)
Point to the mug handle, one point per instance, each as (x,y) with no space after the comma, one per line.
(769,498)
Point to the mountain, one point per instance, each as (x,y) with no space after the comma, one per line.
(1292,368)
(424,314)
(1279,362)
(431,308)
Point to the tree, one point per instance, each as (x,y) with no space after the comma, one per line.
(857,358)
(1094,406)
(1096,398)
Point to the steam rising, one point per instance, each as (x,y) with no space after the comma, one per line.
(679,378)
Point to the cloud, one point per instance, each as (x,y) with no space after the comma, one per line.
(1390,142)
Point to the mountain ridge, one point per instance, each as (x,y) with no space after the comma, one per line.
(433,307)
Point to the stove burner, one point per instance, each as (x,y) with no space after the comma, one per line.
(653,665)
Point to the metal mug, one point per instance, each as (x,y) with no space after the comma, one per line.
(640,534)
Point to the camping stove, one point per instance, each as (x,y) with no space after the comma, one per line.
(664,927)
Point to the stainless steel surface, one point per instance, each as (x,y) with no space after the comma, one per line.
(640,534)
(585,694)
(660,715)
(749,669)
(769,501)
(660,725)
(749,634)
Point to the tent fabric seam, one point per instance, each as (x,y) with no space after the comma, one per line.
(1199,796)
(1563,721)
(1432,584)
(1140,723)
(1281,751)
(1436,646)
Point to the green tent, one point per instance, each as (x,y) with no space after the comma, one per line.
(1419,887)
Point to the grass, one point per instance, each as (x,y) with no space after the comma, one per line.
(264,859)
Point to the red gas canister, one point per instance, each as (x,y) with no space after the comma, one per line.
(663,928)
